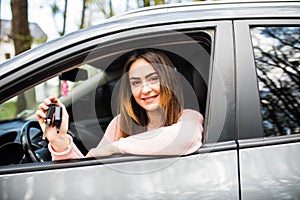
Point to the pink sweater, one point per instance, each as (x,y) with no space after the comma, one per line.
(181,138)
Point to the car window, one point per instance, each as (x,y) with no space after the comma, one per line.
(277,58)
(26,103)
(92,112)
(89,87)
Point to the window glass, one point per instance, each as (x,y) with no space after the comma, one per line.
(277,57)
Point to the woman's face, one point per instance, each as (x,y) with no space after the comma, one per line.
(145,85)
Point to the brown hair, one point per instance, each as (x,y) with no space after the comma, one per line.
(133,118)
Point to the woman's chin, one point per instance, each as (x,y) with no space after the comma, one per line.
(152,107)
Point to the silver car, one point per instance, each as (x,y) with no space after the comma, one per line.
(239,64)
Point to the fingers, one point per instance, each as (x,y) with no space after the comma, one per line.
(43,107)
(50,99)
(40,114)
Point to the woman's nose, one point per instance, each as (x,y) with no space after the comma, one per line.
(146,87)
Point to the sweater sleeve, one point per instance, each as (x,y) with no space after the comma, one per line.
(72,152)
(181,138)
(112,134)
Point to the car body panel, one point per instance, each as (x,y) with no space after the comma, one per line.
(272,171)
(196,176)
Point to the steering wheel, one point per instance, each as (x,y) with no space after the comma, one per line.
(35,148)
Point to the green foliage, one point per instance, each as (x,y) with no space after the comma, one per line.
(8,110)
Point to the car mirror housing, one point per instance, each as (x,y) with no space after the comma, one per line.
(74,75)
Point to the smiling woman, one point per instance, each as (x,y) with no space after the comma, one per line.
(155,93)
(151,118)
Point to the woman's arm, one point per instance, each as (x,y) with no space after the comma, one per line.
(60,145)
(72,151)
(105,147)
(181,138)
(109,143)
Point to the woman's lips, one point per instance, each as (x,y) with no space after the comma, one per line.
(149,99)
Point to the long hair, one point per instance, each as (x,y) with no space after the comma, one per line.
(133,118)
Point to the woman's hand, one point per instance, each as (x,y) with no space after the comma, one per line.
(59,141)
(108,150)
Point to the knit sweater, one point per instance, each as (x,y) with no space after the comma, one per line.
(181,138)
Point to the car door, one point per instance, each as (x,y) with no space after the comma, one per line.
(268,107)
(209,173)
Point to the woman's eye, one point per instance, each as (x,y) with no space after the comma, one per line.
(135,83)
(154,79)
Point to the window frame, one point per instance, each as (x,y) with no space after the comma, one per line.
(249,118)
(220,63)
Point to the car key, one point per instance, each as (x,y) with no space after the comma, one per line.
(57,118)
(49,117)
(53,118)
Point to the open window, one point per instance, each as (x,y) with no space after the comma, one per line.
(87,80)
(93,102)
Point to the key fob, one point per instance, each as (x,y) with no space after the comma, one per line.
(50,113)
(57,118)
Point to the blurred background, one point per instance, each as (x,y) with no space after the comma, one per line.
(28,23)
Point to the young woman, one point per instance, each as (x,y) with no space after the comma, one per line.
(151,119)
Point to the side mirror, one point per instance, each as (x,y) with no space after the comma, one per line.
(74,75)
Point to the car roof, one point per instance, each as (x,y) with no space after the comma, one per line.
(164,14)
(225,9)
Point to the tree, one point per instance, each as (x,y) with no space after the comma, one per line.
(22,42)
(159,2)
(84,7)
(56,10)
(20,26)
(105,6)
(277,62)
(147,3)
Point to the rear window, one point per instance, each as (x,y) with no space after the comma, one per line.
(277,57)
